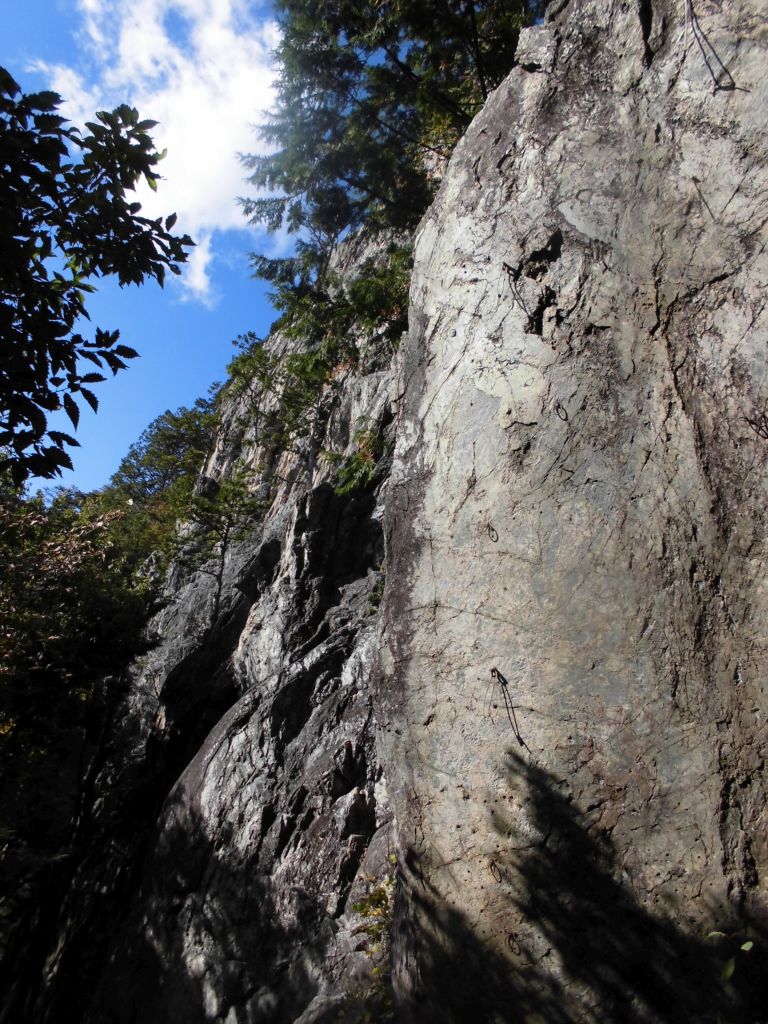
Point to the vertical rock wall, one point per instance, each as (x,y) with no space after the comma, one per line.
(573,676)
(234,807)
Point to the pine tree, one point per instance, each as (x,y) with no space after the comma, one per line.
(371,94)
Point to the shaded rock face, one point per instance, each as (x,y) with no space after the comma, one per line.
(572,689)
(241,911)
(234,807)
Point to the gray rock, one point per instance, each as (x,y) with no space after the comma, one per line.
(235,807)
(572,686)
(562,697)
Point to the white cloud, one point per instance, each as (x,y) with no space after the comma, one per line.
(202,69)
(195,276)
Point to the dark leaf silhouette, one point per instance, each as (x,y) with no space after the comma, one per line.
(66,220)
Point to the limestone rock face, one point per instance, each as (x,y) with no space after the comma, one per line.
(572,683)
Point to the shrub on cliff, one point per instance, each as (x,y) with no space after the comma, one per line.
(154,483)
(69,613)
(74,601)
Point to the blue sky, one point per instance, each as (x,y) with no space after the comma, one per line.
(203,69)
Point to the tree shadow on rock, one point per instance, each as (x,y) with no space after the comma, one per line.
(581,945)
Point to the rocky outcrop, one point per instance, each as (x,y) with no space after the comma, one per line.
(554,723)
(235,812)
(572,691)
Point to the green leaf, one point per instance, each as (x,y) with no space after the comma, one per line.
(46,100)
(8,85)
(57,457)
(112,361)
(91,356)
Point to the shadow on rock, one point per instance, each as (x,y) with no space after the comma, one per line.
(206,941)
(581,946)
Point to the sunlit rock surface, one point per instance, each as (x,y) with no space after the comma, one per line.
(573,679)
(235,808)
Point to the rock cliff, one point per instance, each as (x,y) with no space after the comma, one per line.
(551,729)
(234,811)
(573,634)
